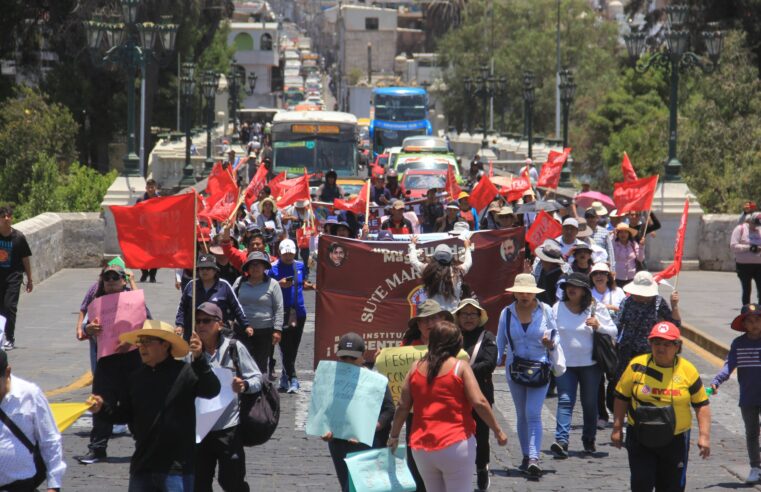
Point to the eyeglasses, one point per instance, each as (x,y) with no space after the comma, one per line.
(147,340)
(112,277)
(205,321)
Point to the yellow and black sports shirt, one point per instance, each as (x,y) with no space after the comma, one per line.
(649,383)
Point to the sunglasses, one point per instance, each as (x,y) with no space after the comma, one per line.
(112,277)
(147,340)
(205,321)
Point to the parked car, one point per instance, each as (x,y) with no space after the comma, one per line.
(416,182)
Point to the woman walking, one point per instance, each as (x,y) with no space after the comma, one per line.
(528,329)
(443,392)
(628,254)
(481,346)
(442,273)
(578,316)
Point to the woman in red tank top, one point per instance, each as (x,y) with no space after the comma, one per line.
(443,392)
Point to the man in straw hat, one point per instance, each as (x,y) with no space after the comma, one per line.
(161,406)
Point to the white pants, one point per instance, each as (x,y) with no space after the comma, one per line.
(450,469)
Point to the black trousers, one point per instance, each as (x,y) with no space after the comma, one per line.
(151,274)
(339,448)
(304,256)
(111,382)
(259,345)
(10,289)
(663,469)
(748,273)
(602,410)
(482,442)
(221,447)
(289,345)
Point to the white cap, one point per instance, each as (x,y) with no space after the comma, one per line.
(287,246)
(570,221)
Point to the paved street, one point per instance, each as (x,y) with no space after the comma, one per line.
(49,355)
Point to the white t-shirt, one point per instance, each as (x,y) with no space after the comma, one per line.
(576,337)
(610,297)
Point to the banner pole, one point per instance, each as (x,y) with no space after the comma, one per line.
(647,215)
(193,273)
(367,203)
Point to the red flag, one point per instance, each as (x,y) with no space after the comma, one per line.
(256,185)
(451,186)
(274,184)
(517,188)
(491,168)
(635,196)
(356,204)
(218,180)
(483,193)
(222,208)
(675,267)
(549,176)
(628,169)
(157,233)
(543,228)
(295,189)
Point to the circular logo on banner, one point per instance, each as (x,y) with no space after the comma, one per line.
(415,298)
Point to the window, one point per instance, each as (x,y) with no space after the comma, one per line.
(371,23)
(265,42)
(243,42)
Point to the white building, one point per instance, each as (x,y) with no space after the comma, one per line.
(256,50)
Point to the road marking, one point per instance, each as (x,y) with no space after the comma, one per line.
(703,353)
(302,405)
(82,381)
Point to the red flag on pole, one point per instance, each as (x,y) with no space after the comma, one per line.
(543,228)
(518,186)
(356,204)
(218,180)
(635,196)
(292,190)
(491,168)
(222,208)
(549,176)
(274,184)
(483,194)
(675,267)
(627,169)
(157,233)
(451,186)
(256,185)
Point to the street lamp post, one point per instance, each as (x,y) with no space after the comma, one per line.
(132,45)
(675,57)
(187,89)
(567,93)
(528,105)
(209,87)
(235,78)
(486,86)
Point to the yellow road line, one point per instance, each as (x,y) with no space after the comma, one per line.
(703,353)
(82,381)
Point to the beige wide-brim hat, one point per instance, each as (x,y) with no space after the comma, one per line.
(622,226)
(599,208)
(429,308)
(158,329)
(472,302)
(268,199)
(525,282)
(643,285)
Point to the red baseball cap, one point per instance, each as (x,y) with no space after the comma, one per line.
(665,330)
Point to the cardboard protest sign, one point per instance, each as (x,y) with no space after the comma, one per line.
(378,470)
(208,410)
(395,363)
(346,400)
(118,313)
(370,287)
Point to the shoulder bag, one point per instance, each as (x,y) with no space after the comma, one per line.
(39,464)
(604,350)
(526,372)
(654,426)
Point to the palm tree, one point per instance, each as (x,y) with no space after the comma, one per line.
(440,17)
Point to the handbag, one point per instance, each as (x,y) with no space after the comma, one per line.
(654,426)
(259,413)
(526,372)
(604,350)
(39,464)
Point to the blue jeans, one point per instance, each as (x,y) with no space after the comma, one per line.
(528,410)
(588,378)
(160,482)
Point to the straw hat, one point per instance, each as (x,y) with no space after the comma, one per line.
(599,208)
(268,199)
(429,308)
(525,282)
(584,229)
(473,302)
(158,329)
(622,226)
(643,285)
(550,252)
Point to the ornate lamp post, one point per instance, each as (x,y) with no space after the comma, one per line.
(235,78)
(209,87)
(567,93)
(125,42)
(187,89)
(485,86)
(674,55)
(528,105)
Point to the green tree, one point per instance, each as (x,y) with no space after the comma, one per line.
(40,191)
(83,188)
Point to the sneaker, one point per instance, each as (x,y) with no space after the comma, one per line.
(534,470)
(92,456)
(143,277)
(560,450)
(754,475)
(118,429)
(482,478)
(524,465)
(589,446)
(283,382)
(602,424)
(8,345)
(294,388)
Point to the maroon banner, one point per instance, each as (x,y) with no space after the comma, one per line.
(370,288)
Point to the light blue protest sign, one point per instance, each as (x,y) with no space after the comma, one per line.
(346,400)
(377,470)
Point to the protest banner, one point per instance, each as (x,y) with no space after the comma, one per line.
(346,400)
(117,313)
(379,470)
(395,363)
(65,414)
(373,290)
(208,410)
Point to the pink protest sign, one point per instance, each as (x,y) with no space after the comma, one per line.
(117,313)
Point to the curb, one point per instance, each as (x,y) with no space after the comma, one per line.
(704,341)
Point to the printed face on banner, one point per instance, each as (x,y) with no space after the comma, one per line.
(372,289)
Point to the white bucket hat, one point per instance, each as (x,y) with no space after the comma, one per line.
(525,282)
(643,285)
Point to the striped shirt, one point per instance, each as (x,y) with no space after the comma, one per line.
(745,355)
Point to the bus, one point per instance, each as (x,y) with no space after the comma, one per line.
(317,140)
(397,113)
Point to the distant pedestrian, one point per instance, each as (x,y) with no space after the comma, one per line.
(26,423)
(744,355)
(397,223)
(628,254)
(549,267)
(746,246)
(151,191)
(442,273)
(14,262)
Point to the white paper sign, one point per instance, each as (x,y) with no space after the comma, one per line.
(208,410)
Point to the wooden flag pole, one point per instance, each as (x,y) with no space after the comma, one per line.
(367,202)
(237,206)
(198,230)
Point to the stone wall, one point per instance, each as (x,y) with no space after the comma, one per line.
(63,240)
(713,247)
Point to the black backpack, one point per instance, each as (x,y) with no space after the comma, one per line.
(259,412)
